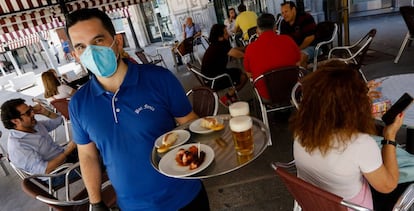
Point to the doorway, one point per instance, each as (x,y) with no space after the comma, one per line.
(157,20)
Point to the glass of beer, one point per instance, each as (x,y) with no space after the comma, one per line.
(239,109)
(241,127)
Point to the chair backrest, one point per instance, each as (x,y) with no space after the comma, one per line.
(279,83)
(80,200)
(361,53)
(204,101)
(311,197)
(279,19)
(325,33)
(357,51)
(62,106)
(252,31)
(211,81)
(185,47)
(296,94)
(407,12)
(21,173)
(141,56)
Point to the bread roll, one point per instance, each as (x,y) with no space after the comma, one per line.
(169,139)
(208,122)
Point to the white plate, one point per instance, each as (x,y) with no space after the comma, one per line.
(183,137)
(196,128)
(170,167)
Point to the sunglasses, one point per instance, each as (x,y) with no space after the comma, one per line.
(28,112)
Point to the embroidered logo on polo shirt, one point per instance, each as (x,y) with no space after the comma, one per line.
(144,107)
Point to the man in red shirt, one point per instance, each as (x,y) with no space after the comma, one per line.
(269,51)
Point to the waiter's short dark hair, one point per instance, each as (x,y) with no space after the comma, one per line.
(86,14)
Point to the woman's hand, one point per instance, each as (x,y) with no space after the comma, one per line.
(390,131)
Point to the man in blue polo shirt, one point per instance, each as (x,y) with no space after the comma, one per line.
(118,114)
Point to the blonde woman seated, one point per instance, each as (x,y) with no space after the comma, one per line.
(333,148)
(54,89)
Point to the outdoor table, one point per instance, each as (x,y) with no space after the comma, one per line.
(392,88)
(225,160)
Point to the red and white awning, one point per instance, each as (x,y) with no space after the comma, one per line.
(20,20)
(15,7)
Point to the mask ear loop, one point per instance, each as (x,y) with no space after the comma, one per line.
(118,55)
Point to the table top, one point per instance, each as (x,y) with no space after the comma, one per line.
(393,87)
(225,159)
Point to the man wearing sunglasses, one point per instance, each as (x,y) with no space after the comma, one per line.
(29,145)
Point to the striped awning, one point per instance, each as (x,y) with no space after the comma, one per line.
(20,21)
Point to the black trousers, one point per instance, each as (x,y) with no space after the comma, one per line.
(386,201)
(199,203)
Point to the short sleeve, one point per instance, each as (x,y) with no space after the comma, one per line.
(369,154)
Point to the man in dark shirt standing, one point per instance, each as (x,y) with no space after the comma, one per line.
(301,27)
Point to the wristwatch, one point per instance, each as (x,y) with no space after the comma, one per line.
(385,141)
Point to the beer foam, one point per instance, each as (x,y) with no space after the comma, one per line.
(239,109)
(240,123)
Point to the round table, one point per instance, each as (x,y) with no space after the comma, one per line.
(225,159)
(393,87)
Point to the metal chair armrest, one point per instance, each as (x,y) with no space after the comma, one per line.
(344,48)
(290,164)
(406,200)
(354,206)
(60,202)
(224,75)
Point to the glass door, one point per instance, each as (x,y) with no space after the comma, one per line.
(157,20)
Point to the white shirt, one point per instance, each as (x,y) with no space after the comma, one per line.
(340,170)
(65,91)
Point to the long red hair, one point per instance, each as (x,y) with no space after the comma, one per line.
(335,105)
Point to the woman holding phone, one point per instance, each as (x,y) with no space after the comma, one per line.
(333,148)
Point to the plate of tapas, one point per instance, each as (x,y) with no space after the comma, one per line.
(171,140)
(186,160)
(206,125)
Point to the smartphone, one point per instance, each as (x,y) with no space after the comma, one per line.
(398,107)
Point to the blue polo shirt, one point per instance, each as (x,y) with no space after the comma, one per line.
(124,126)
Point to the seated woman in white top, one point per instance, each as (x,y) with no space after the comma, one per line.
(54,89)
(333,148)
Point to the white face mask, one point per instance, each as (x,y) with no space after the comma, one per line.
(100,60)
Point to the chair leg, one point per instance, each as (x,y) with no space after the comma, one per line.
(403,45)
(66,130)
(264,114)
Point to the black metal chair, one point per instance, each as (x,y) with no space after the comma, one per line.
(325,34)
(76,198)
(279,84)
(150,59)
(354,53)
(407,13)
(308,196)
(204,101)
(210,81)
